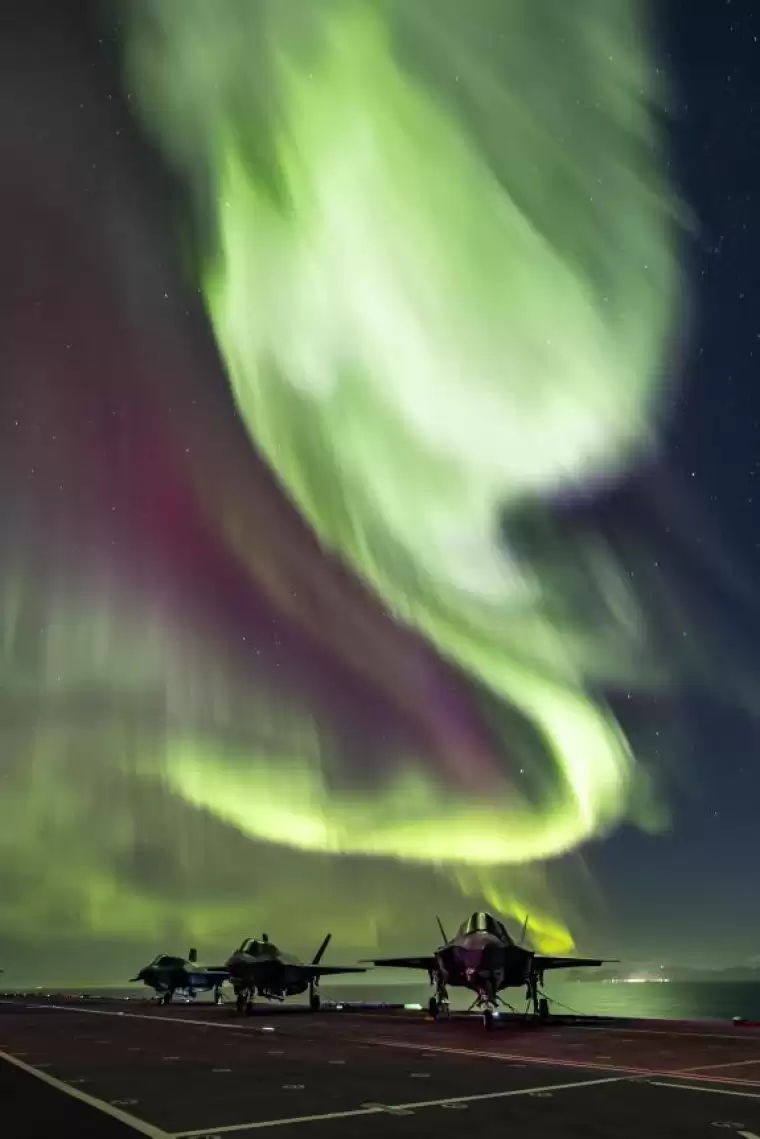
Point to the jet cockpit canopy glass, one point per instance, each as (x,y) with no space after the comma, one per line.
(482,922)
(257,948)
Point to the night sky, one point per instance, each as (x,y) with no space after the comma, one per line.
(260,665)
(693,887)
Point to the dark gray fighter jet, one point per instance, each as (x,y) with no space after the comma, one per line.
(258,966)
(169,975)
(484,958)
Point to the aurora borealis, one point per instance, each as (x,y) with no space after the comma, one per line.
(302,366)
(421,357)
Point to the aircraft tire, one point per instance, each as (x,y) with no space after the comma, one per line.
(433,1008)
(488,1020)
(315,1002)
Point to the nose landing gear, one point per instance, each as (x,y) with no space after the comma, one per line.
(244,1001)
(489,1005)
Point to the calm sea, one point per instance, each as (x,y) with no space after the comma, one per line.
(668,1001)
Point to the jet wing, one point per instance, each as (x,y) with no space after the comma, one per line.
(544,963)
(426,963)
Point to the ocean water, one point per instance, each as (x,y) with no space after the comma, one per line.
(667,1001)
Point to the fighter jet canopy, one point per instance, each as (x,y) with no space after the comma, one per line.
(481,922)
(258,948)
(164,959)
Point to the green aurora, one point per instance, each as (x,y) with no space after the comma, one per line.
(442,276)
(438,251)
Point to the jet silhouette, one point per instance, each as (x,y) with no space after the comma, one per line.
(484,958)
(168,975)
(258,966)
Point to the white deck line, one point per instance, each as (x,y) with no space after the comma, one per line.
(701,1088)
(381,1108)
(100,1105)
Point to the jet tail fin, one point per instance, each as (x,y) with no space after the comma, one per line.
(321,951)
(443,931)
(192,956)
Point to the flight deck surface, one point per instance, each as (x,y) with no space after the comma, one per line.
(114,1069)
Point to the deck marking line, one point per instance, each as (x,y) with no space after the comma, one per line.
(412,1106)
(699,1088)
(748,1035)
(730,1064)
(388,1108)
(98,1104)
(557,1062)
(511,1057)
(142,1016)
(666,1032)
(748,1135)
(712,1079)
(231,1127)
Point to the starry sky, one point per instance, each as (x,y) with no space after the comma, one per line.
(299,629)
(701,904)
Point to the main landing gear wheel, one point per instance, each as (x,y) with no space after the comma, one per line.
(488,1019)
(439,1002)
(218,998)
(315,1001)
(244,1004)
(539,1004)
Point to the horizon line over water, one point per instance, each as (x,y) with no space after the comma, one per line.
(676,1000)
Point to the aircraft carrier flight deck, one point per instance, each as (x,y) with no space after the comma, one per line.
(108,1069)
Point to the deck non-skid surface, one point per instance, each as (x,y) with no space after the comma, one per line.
(114,1071)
